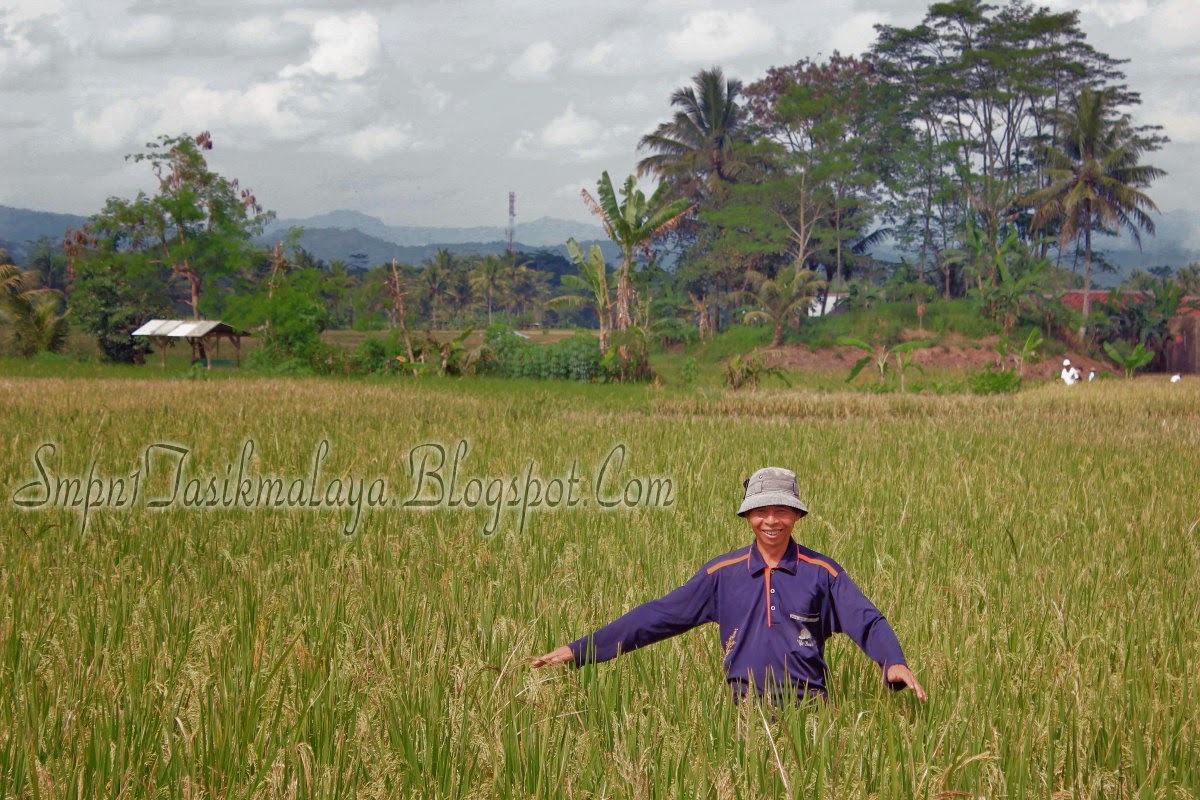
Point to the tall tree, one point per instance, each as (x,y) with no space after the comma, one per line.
(694,152)
(198,225)
(435,281)
(632,221)
(1096,178)
(832,120)
(981,84)
(487,279)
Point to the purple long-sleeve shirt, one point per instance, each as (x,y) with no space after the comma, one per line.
(773,621)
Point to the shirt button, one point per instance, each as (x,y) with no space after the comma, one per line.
(772,608)
(772,591)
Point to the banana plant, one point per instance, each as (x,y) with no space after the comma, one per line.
(1130,360)
(894,358)
(593,279)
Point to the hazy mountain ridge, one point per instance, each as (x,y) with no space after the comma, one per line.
(358,249)
(543,232)
(20,227)
(362,240)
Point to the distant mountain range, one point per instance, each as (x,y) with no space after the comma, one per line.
(349,236)
(544,232)
(20,228)
(362,240)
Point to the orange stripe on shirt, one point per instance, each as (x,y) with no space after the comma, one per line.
(727,562)
(818,562)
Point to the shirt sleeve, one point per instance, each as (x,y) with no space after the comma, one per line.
(680,610)
(858,618)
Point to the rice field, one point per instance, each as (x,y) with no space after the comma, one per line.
(193,637)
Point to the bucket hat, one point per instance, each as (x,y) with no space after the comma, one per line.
(772,486)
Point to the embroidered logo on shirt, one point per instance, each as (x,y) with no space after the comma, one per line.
(805,639)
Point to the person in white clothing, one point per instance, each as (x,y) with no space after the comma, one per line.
(1069,374)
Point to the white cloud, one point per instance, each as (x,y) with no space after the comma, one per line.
(1120,12)
(536,62)
(597,56)
(261,33)
(379,140)
(140,35)
(262,111)
(113,125)
(434,97)
(856,35)
(343,47)
(1111,12)
(18,10)
(1180,121)
(572,190)
(570,129)
(713,36)
(1173,24)
(573,133)
(28,50)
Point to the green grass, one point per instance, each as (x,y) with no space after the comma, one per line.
(1037,554)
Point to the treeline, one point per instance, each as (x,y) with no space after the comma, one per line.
(991,146)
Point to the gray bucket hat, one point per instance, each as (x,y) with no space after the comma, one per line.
(772,486)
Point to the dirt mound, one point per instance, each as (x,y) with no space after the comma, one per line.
(966,355)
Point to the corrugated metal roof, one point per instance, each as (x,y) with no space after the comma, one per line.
(184,328)
(153,327)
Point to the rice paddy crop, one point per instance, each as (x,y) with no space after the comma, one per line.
(1038,556)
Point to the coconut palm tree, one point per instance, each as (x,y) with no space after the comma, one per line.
(488,279)
(435,280)
(694,151)
(632,222)
(782,298)
(32,313)
(1095,179)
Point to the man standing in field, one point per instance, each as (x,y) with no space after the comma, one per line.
(775,601)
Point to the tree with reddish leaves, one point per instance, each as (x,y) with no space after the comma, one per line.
(831,121)
(198,225)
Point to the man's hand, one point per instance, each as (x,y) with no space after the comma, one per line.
(899,673)
(560,655)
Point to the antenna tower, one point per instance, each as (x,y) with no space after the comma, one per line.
(512,219)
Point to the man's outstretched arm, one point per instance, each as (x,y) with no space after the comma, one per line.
(678,611)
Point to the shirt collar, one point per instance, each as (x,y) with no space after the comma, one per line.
(788,563)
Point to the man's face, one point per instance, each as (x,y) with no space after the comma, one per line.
(772,525)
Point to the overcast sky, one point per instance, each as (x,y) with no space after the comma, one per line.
(429,113)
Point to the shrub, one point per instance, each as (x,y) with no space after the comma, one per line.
(749,370)
(673,331)
(689,370)
(370,356)
(575,358)
(994,380)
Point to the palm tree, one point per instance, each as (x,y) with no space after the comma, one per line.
(694,151)
(488,278)
(632,222)
(522,287)
(785,297)
(436,280)
(33,314)
(1095,179)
